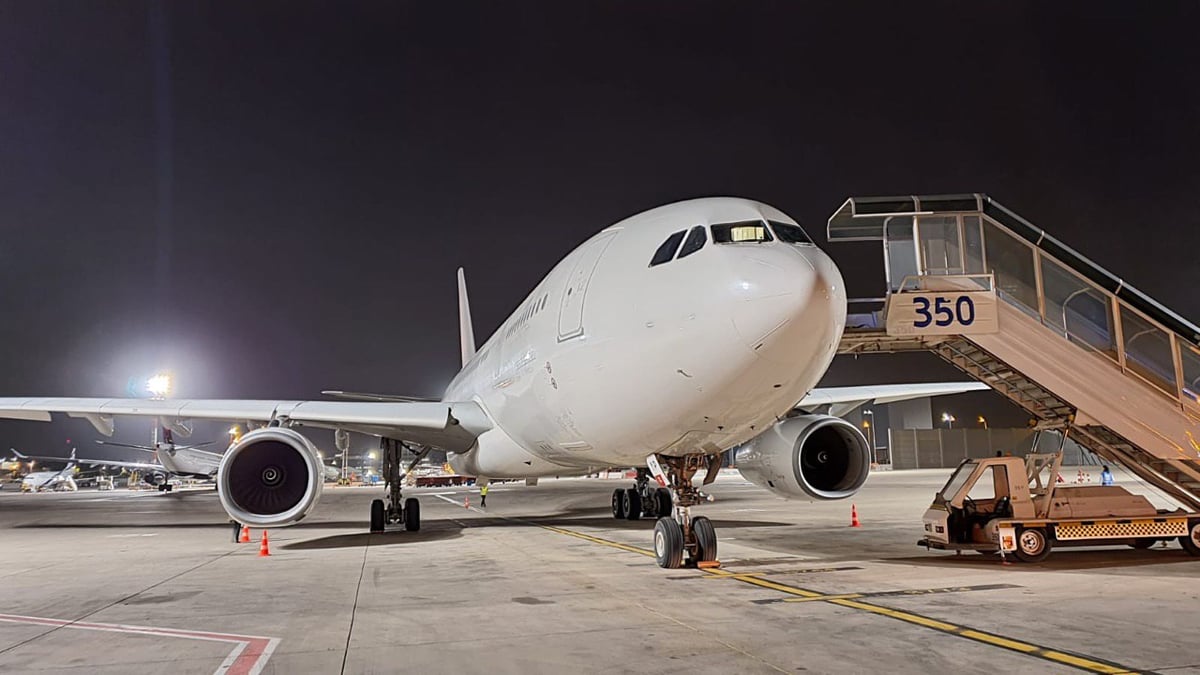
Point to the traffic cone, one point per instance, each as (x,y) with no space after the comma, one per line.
(245,538)
(854,517)
(467,502)
(264,550)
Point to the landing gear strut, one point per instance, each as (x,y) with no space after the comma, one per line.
(395,509)
(677,533)
(644,499)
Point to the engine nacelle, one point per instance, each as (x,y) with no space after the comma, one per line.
(155,478)
(808,457)
(270,477)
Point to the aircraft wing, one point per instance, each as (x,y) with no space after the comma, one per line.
(845,399)
(140,466)
(449,426)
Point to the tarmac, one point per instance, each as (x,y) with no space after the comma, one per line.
(544,580)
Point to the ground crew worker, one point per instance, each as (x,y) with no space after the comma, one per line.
(1106,477)
(483,496)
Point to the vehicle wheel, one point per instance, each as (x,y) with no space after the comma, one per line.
(632,504)
(412,514)
(377,515)
(1142,544)
(1032,545)
(663,496)
(668,543)
(618,506)
(1191,542)
(706,539)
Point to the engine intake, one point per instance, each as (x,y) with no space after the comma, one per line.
(270,477)
(807,457)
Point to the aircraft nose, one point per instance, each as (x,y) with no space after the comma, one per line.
(782,293)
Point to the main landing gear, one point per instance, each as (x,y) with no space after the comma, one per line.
(676,533)
(644,500)
(396,509)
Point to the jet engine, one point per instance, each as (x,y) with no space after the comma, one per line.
(270,477)
(807,457)
(155,478)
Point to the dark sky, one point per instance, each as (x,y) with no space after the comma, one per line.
(271,198)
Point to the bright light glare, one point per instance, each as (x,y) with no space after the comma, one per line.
(159,385)
(371,455)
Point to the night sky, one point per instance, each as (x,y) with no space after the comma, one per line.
(269,199)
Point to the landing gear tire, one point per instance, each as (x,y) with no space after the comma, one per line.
(1032,545)
(706,539)
(377,515)
(1191,541)
(662,496)
(412,514)
(1142,544)
(668,543)
(631,504)
(618,504)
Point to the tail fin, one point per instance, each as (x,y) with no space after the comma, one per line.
(465,332)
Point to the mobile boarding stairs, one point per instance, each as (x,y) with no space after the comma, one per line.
(1059,336)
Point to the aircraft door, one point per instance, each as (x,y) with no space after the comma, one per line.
(570,308)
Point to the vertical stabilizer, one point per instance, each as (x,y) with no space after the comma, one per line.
(465,332)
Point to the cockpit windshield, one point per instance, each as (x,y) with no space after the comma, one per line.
(957,481)
(746,231)
(790,234)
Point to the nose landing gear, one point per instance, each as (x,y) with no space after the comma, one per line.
(677,534)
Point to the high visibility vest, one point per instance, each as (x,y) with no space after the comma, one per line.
(483,491)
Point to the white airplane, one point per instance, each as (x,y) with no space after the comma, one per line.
(659,342)
(58,480)
(169,460)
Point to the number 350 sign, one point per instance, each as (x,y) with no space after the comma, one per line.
(942,313)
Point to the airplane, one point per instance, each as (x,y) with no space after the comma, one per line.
(660,342)
(59,480)
(170,460)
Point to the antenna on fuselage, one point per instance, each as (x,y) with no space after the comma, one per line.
(465,332)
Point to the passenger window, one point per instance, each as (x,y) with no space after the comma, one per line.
(667,251)
(788,233)
(696,240)
(736,233)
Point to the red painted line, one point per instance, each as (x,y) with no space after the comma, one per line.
(249,655)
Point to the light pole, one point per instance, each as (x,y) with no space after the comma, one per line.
(983,421)
(869,425)
(949,420)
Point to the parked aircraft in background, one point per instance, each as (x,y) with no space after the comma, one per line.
(660,342)
(59,479)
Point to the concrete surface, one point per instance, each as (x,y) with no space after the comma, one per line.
(546,581)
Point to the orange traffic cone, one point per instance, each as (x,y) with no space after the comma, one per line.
(245,538)
(854,517)
(264,550)
(467,502)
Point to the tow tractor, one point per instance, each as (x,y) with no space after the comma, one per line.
(1013,505)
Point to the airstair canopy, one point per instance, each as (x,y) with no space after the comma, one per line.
(887,219)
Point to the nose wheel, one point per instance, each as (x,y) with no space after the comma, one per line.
(679,537)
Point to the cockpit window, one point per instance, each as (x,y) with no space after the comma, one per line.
(667,250)
(790,234)
(695,241)
(751,231)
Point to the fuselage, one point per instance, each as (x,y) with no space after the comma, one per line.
(610,358)
(188,462)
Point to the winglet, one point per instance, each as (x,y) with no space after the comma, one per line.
(465,331)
